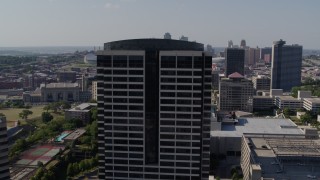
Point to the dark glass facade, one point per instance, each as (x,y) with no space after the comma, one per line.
(234,61)
(286,66)
(154,110)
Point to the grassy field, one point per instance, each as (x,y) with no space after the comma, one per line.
(12,114)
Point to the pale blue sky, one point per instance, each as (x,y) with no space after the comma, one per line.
(94,22)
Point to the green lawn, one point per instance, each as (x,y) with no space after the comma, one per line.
(12,114)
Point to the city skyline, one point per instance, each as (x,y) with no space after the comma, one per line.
(91,23)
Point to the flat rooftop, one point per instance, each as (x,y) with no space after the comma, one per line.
(257,125)
(288,98)
(60,85)
(286,157)
(313,100)
(263,97)
(75,134)
(84,107)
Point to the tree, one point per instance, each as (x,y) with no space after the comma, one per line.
(85,140)
(8,104)
(39,173)
(94,113)
(94,129)
(40,164)
(91,162)
(82,166)
(306,118)
(25,113)
(54,106)
(308,81)
(286,112)
(70,170)
(46,117)
(68,126)
(75,168)
(47,108)
(1,106)
(93,101)
(65,105)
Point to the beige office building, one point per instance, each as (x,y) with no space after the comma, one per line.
(54,92)
(311,104)
(94,90)
(288,102)
(254,56)
(235,93)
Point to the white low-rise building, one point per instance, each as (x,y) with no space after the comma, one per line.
(288,102)
(81,112)
(227,141)
(311,104)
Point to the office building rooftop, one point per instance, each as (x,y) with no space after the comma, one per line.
(60,85)
(83,107)
(313,100)
(257,125)
(153,44)
(284,156)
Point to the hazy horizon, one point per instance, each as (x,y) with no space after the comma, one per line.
(43,23)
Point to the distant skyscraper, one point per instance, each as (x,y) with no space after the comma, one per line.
(230,44)
(265,54)
(210,49)
(167,36)
(243,43)
(254,55)
(183,38)
(286,65)
(234,61)
(246,56)
(4,162)
(154,110)
(215,79)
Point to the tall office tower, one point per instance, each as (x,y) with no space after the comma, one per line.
(254,55)
(246,56)
(210,50)
(230,44)
(265,54)
(286,65)
(235,93)
(154,109)
(215,79)
(243,43)
(234,61)
(4,162)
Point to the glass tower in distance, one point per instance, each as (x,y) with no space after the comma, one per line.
(286,65)
(154,109)
(234,61)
